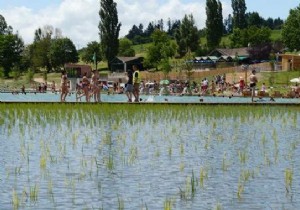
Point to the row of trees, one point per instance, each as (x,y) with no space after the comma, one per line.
(140,35)
(50,51)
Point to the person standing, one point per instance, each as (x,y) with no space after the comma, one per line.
(253,81)
(86,87)
(136,83)
(64,86)
(129,85)
(241,85)
(95,86)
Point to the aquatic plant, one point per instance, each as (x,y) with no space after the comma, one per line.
(189,191)
(15,199)
(167,204)
(43,161)
(242,156)
(240,190)
(120,204)
(288,174)
(203,176)
(33,195)
(218,206)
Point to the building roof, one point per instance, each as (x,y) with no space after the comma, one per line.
(231,52)
(74,65)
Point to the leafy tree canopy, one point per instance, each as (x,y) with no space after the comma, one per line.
(125,48)
(291,30)
(62,51)
(92,49)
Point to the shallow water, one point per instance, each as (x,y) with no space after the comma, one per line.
(51,97)
(141,157)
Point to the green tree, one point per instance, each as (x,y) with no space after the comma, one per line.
(109,28)
(62,51)
(92,49)
(125,48)
(214,23)
(4,28)
(239,13)
(188,65)
(228,27)
(11,48)
(187,36)
(291,30)
(160,48)
(253,19)
(40,49)
(250,36)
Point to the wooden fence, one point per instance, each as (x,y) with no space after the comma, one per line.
(201,74)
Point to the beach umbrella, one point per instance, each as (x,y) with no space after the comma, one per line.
(297,80)
(164,82)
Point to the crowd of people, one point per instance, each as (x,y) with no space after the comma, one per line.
(90,88)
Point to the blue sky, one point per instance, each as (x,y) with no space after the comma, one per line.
(78,19)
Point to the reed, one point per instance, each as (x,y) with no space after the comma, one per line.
(288,174)
(34,190)
(240,190)
(203,176)
(43,161)
(218,206)
(167,204)
(15,200)
(120,204)
(110,162)
(225,163)
(242,156)
(50,187)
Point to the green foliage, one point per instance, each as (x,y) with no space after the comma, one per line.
(214,23)
(239,13)
(1,72)
(276,35)
(187,36)
(188,65)
(62,50)
(16,73)
(88,53)
(109,28)
(254,19)
(125,48)
(11,48)
(166,67)
(252,35)
(29,75)
(39,54)
(161,48)
(291,30)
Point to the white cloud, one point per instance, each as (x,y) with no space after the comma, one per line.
(78,19)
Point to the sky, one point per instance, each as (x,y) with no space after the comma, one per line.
(79,19)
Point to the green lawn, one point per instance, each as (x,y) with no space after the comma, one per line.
(276,35)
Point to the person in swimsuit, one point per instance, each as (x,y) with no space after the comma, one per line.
(253,82)
(64,86)
(85,87)
(95,86)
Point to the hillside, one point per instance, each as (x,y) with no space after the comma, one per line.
(140,50)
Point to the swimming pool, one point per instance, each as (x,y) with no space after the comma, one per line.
(52,97)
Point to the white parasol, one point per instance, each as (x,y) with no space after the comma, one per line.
(297,80)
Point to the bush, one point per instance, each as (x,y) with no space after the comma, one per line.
(29,75)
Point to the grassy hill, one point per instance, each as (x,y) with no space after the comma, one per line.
(140,50)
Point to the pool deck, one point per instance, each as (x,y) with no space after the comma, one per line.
(161,103)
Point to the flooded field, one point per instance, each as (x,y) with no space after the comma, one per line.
(151,156)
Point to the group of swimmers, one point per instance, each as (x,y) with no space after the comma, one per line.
(86,88)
